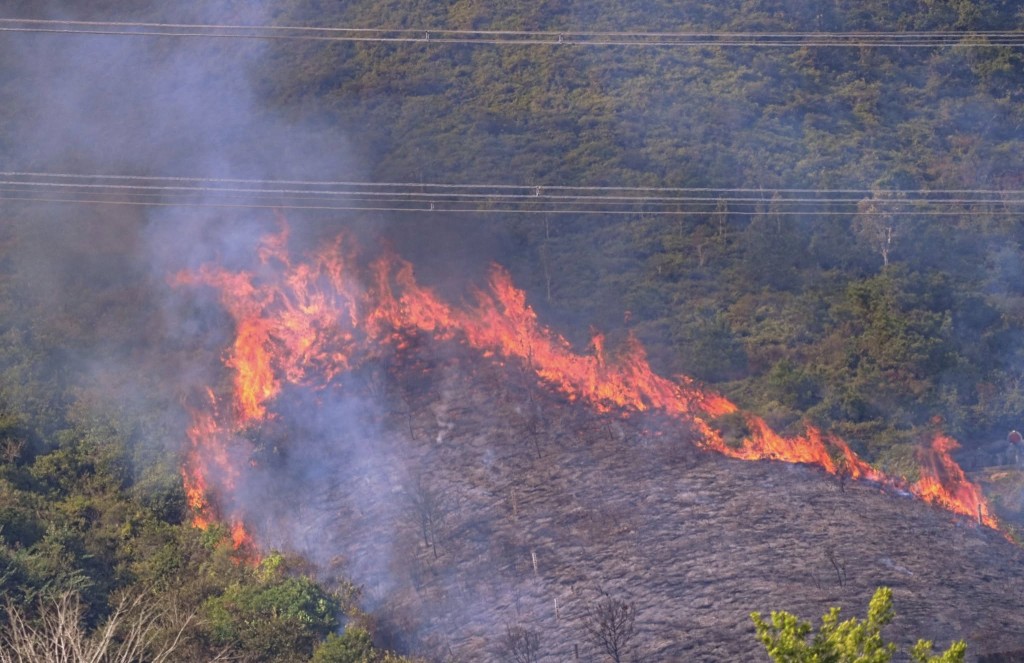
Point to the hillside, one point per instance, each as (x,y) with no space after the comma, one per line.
(475,473)
(840,240)
(629,506)
(439,328)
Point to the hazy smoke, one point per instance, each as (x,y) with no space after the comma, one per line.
(143,106)
(326,478)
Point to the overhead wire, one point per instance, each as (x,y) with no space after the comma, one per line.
(926,39)
(531,188)
(501,198)
(426,196)
(483,210)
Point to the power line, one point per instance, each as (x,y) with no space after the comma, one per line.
(528,189)
(499,193)
(695,205)
(498,198)
(776,199)
(703,205)
(451,31)
(794,39)
(418,206)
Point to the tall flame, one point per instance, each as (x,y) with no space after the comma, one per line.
(943,482)
(305,323)
(209,459)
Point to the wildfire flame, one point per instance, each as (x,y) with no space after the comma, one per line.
(209,457)
(305,323)
(943,482)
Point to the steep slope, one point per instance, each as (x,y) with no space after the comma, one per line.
(486,501)
(476,473)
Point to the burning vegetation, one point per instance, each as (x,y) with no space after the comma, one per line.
(304,323)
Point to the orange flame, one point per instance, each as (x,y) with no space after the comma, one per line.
(944,483)
(305,323)
(830,452)
(206,451)
(208,458)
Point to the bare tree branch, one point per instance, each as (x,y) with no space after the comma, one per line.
(520,645)
(140,628)
(610,624)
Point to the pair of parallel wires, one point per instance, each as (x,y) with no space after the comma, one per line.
(761,39)
(499,198)
(106,189)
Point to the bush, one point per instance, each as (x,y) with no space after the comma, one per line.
(354,646)
(852,641)
(276,618)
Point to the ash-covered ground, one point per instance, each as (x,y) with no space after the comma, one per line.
(477,500)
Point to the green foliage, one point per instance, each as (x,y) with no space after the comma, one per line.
(922,653)
(276,616)
(353,646)
(785,637)
(740,291)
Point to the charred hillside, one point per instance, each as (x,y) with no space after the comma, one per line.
(486,501)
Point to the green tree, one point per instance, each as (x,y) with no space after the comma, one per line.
(850,641)
(355,645)
(276,617)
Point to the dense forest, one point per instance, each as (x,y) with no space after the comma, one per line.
(868,325)
(827,275)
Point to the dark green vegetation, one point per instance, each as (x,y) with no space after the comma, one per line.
(872,326)
(92,512)
(793,315)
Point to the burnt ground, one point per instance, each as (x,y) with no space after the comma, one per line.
(476,499)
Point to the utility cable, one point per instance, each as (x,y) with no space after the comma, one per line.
(527,190)
(449,207)
(771,205)
(925,39)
